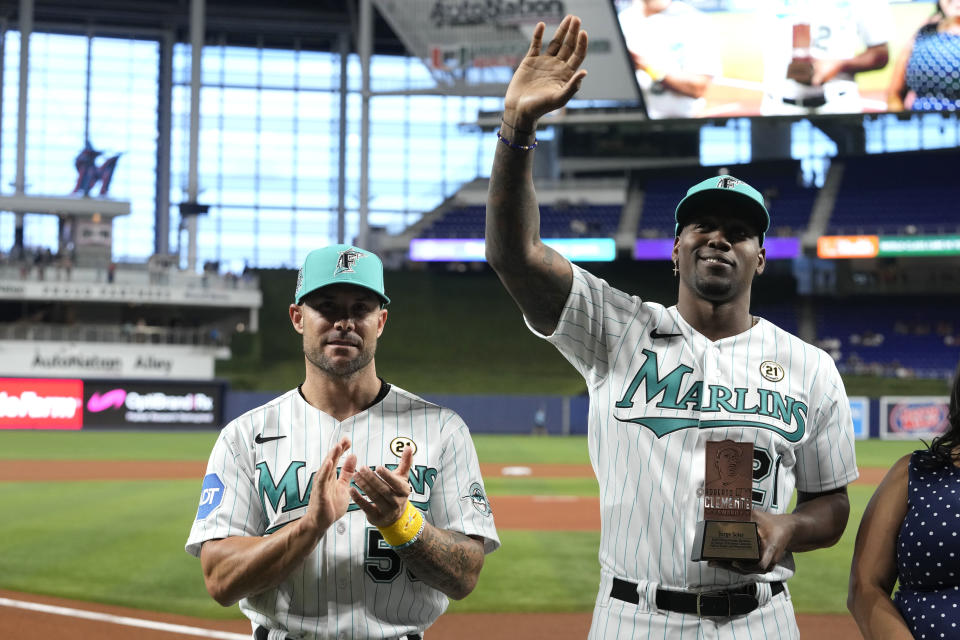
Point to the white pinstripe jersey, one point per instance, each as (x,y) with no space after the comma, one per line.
(654,402)
(353,585)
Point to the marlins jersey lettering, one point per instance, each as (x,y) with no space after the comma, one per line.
(353,585)
(658,391)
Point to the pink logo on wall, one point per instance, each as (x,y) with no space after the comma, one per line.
(112,399)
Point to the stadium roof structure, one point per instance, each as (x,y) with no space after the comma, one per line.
(307,24)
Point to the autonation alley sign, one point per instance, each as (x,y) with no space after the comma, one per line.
(43,359)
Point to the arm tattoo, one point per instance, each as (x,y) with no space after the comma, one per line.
(446,560)
(535,275)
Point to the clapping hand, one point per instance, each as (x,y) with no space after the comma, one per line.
(385,492)
(330,495)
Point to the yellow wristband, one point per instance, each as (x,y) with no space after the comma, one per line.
(656,74)
(406,530)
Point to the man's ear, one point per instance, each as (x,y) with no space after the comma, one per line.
(761,260)
(381,322)
(296,317)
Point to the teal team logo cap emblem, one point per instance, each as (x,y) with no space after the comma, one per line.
(347,259)
(340,264)
(727,195)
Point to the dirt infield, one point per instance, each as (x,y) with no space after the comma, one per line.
(53,470)
(37,625)
(511,512)
(530,513)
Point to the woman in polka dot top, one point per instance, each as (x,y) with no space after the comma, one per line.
(910,532)
(926,76)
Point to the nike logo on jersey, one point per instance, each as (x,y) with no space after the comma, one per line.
(260,439)
(657,335)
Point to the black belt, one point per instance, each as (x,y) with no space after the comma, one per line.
(736,602)
(261,634)
(817,101)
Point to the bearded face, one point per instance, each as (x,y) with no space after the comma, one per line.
(340,325)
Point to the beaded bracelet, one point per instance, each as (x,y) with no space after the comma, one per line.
(406,530)
(515,145)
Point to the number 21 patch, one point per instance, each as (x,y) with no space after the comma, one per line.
(771,370)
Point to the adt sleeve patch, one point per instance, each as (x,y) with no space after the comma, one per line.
(210,495)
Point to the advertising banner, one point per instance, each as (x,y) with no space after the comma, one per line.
(112,404)
(860,414)
(48,358)
(474,46)
(27,403)
(912,418)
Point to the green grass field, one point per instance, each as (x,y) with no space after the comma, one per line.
(122,542)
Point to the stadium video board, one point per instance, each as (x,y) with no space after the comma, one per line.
(767,57)
(692,59)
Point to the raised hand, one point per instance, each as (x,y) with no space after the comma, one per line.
(330,495)
(546,80)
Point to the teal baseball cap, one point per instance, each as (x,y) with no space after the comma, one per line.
(735,197)
(340,264)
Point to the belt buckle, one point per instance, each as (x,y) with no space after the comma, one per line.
(700,595)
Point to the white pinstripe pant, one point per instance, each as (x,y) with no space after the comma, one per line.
(617,620)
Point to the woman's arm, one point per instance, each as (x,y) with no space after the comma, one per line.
(873,572)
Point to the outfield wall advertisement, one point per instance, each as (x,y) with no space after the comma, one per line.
(27,403)
(913,418)
(860,415)
(37,403)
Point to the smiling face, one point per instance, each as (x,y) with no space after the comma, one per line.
(718,254)
(340,325)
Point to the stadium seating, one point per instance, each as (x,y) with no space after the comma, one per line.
(788,200)
(898,193)
(902,336)
(556,221)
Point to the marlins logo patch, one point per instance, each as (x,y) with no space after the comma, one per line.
(478,499)
(346,260)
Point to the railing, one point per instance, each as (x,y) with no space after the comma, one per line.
(140,275)
(132,334)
